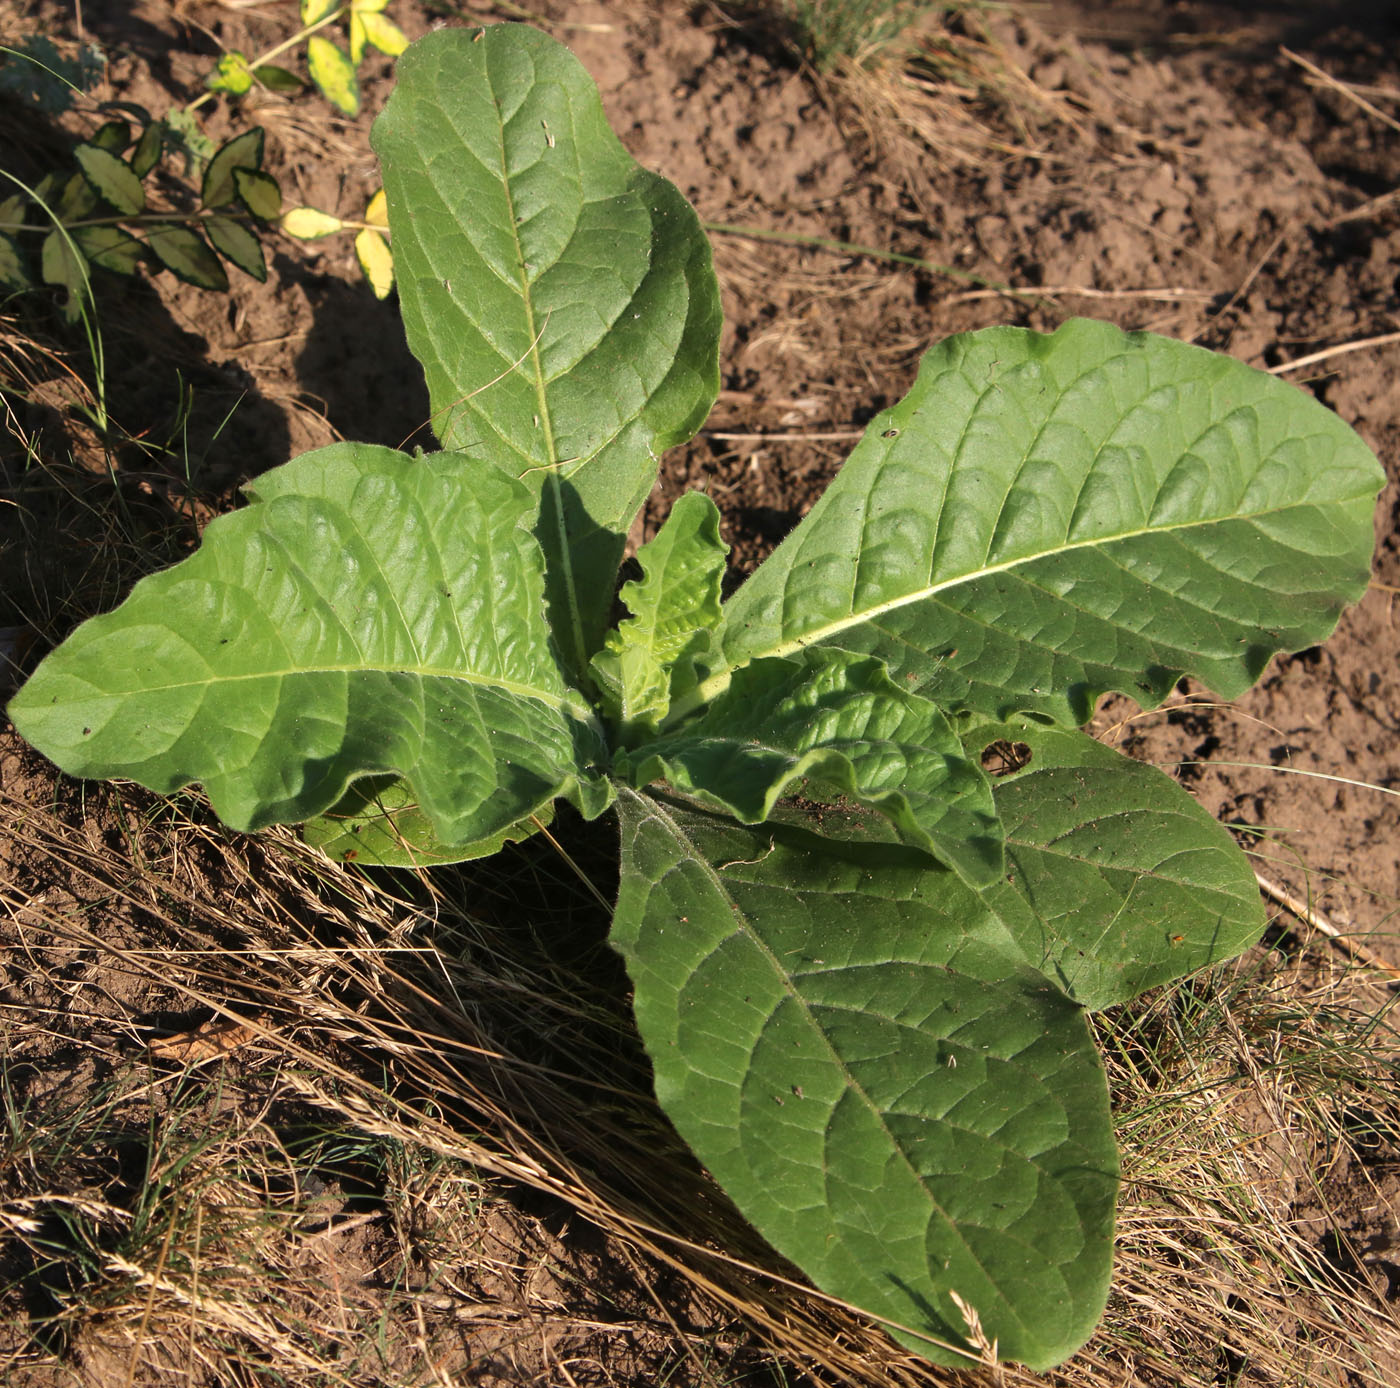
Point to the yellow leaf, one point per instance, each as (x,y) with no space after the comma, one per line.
(307,224)
(314,11)
(384,34)
(358,38)
(368,6)
(332,72)
(377,262)
(377,213)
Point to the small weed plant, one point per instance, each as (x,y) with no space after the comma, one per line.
(873,876)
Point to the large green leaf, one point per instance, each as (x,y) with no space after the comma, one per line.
(891,1101)
(371,613)
(1044,518)
(560,298)
(651,656)
(1117,880)
(839,719)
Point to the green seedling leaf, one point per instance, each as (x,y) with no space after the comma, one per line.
(183,132)
(334,74)
(839,719)
(370,614)
(379,823)
(1045,518)
(13,274)
(891,1101)
(113,136)
(307,224)
(231,75)
(245,151)
(1117,880)
(650,657)
(560,298)
(186,256)
(278,79)
(110,248)
(259,193)
(376,262)
(235,242)
(146,155)
(112,178)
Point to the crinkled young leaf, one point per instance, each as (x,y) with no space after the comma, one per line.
(894,1104)
(1045,518)
(1117,880)
(560,298)
(839,718)
(650,658)
(370,614)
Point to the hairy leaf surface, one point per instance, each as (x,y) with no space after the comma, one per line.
(560,297)
(1045,518)
(884,1094)
(839,718)
(370,613)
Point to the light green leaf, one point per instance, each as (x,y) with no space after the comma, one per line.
(650,657)
(309,224)
(378,822)
(1044,518)
(382,32)
(334,74)
(889,1101)
(259,193)
(560,298)
(376,262)
(1117,880)
(235,242)
(244,151)
(371,614)
(232,75)
(840,720)
(186,256)
(110,248)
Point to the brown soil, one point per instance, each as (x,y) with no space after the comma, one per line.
(1172,171)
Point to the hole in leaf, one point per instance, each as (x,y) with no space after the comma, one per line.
(1003,758)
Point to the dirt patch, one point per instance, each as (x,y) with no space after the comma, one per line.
(1175,172)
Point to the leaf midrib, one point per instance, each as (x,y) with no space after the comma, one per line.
(717,683)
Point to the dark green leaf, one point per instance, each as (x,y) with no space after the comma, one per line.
(62,264)
(113,179)
(233,240)
(891,1101)
(78,199)
(113,136)
(278,79)
(13,273)
(13,211)
(41,78)
(259,193)
(110,248)
(186,256)
(147,152)
(244,151)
